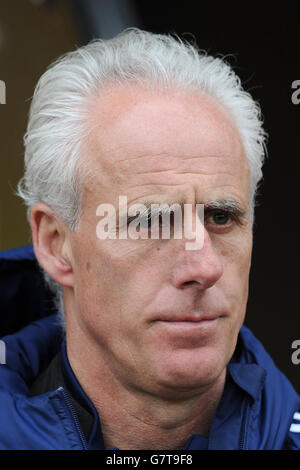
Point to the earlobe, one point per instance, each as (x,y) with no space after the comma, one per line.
(50,241)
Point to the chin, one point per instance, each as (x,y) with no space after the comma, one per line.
(191,370)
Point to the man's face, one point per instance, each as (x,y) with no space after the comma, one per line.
(136,299)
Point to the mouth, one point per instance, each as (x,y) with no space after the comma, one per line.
(195,317)
(188,330)
(189,325)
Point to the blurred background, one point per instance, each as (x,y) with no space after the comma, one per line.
(264,52)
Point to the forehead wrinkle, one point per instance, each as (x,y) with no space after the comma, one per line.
(217,191)
(127,184)
(174,157)
(165,163)
(173,172)
(141,156)
(156,185)
(181,166)
(113,170)
(172,178)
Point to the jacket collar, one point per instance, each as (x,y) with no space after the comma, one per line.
(244,378)
(95,441)
(249,377)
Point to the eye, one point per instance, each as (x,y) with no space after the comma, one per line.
(219,217)
(154,220)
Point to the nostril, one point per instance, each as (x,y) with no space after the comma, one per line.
(189,283)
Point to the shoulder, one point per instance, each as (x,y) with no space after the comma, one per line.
(278,405)
(293,437)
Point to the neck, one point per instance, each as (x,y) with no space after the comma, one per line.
(156,423)
(151,421)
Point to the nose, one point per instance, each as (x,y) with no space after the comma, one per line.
(201,268)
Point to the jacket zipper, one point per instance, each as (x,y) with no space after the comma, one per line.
(75,418)
(244,428)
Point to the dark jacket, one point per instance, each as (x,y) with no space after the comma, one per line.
(258,409)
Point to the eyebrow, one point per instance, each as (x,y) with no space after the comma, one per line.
(225,204)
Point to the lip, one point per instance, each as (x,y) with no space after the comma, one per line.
(185,327)
(188,323)
(189,319)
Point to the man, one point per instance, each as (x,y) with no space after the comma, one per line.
(154,354)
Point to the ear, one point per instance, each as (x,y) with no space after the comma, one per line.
(50,238)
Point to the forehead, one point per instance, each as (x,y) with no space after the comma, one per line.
(143,142)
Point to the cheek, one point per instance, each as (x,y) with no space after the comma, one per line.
(236,258)
(109,280)
(235,252)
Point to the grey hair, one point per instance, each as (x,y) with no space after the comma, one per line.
(57,130)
